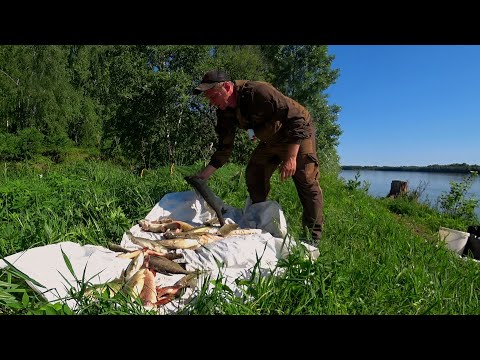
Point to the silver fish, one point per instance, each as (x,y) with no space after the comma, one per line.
(147,243)
(225,229)
(156,227)
(134,266)
(182,243)
(118,248)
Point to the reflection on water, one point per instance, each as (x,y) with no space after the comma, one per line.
(435,184)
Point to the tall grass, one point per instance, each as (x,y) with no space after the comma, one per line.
(377,256)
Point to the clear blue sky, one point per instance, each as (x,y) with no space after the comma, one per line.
(407,104)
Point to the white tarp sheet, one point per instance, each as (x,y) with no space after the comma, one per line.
(230,258)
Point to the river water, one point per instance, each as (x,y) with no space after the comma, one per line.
(435,184)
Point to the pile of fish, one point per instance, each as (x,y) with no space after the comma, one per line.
(181,235)
(138,279)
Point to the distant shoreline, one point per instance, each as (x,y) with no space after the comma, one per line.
(451,168)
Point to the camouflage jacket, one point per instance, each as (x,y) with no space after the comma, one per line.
(274,117)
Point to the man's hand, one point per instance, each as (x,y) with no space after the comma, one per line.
(287,168)
(206,173)
(289,165)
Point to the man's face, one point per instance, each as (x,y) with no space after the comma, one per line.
(217,96)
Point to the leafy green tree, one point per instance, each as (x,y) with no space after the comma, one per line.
(136,101)
(13,59)
(89,79)
(39,93)
(149,100)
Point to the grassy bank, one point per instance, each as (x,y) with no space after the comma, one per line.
(378,256)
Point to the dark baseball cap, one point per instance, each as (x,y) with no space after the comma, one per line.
(210,79)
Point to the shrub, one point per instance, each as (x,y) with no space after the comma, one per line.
(354,184)
(456,203)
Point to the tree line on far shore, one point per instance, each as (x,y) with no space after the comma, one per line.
(449,168)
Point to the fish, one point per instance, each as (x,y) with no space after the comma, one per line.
(134,266)
(234,229)
(158,227)
(208,238)
(163,265)
(135,284)
(224,231)
(172,256)
(227,228)
(244,232)
(165,299)
(131,288)
(181,243)
(203,235)
(118,248)
(189,240)
(148,295)
(202,229)
(212,200)
(189,280)
(130,255)
(147,243)
(113,288)
(164,220)
(168,290)
(195,232)
(167,294)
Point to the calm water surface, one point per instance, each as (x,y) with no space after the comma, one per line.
(435,183)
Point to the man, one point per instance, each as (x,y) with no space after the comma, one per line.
(286,135)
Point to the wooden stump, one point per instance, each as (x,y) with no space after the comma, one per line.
(397,188)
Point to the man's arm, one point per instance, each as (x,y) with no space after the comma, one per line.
(225,130)
(207,172)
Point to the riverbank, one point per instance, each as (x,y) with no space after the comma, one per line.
(377,256)
(428,185)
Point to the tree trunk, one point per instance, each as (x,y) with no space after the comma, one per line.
(397,188)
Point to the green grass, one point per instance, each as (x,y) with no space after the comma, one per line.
(378,256)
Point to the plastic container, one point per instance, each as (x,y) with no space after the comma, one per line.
(454,239)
